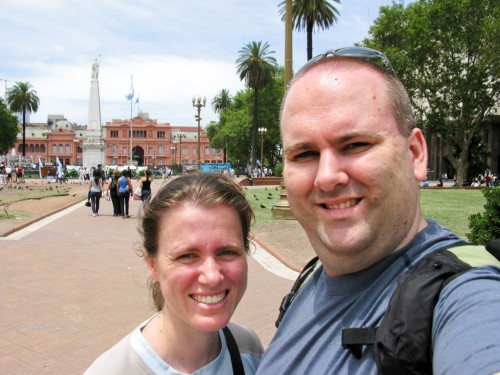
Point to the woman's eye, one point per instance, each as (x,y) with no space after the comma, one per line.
(229,252)
(186,256)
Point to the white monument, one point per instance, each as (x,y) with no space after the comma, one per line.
(94,147)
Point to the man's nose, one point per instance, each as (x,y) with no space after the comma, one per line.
(331,171)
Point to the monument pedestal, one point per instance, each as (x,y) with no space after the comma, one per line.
(282,210)
(94,152)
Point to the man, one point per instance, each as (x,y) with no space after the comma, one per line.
(20,174)
(354,160)
(101,172)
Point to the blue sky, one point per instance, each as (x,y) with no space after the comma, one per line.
(174,48)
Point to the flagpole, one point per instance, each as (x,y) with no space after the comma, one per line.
(131,129)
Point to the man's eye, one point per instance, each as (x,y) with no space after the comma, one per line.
(357,146)
(304,155)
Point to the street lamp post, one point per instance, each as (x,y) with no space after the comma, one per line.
(76,142)
(46,134)
(197,103)
(180,135)
(174,151)
(262,132)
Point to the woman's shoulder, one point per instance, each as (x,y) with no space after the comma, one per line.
(119,359)
(246,338)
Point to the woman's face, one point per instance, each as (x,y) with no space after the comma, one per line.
(201,265)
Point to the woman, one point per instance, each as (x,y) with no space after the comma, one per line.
(95,189)
(195,242)
(113,191)
(124,189)
(145,185)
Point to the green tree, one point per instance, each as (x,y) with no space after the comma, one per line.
(485,226)
(271,98)
(22,99)
(306,14)
(234,129)
(221,101)
(446,54)
(256,66)
(235,125)
(8,129)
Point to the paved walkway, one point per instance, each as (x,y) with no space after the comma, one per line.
(72,285)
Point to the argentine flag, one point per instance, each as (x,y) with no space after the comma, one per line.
(130,96)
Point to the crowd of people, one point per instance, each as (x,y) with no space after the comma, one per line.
(258,172)
(11,174)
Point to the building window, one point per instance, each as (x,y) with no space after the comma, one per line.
(61,149)
(161,150)
(124,151)
(113,149)
(184,151)
(207,151)
(160,134)
(150,151)
(68,150)
(54,149)
(114,134)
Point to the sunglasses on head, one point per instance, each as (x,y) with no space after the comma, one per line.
(362,53)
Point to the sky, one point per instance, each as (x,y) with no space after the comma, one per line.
(172,49)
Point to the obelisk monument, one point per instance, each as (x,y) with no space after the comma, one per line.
(94,147)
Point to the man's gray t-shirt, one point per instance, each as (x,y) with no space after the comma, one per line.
(308,340)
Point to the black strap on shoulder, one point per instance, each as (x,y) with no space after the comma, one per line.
(494,248)
(234,352)
(354,339)
(402,342)
(288,298)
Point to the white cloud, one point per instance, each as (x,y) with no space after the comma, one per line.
(174,49)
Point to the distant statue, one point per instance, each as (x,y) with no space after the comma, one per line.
(95,69)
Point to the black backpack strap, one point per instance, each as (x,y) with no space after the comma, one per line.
(494,248)
(234,352)
(354,338)
(288,298)
(402,342)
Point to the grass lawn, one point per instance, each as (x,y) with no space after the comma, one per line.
(15,193)
(451,207)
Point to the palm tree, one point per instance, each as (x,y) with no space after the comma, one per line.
(221,101)
(309,13)
(256,67)
(21,99)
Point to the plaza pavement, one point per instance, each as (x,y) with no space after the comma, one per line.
(72,285)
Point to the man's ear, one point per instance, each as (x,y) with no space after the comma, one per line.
(418,149)
(151,263)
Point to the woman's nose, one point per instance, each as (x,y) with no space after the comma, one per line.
(210,272)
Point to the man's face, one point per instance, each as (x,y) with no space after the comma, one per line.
(351,177)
